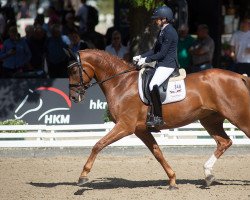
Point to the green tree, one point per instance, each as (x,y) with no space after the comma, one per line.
(147,4)
(142,30)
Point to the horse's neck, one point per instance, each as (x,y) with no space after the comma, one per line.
(109,72)
(106,69)
(111,76)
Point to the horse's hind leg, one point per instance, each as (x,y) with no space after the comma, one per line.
(150,142)
(214,126)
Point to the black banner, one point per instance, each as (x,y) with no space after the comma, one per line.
(46,101)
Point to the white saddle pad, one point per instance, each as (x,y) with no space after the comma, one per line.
(176,90)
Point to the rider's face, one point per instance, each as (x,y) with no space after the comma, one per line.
(158,22)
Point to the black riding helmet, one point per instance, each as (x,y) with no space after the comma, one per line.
(163,12)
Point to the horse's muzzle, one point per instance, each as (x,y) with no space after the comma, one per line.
(77,98)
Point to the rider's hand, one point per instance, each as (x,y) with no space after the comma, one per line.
(136,58)
(141,61)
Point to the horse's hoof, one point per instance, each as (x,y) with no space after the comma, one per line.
(171,187)
(209,180)
(82,181)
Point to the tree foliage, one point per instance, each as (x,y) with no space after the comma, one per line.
(148,4)
(106,7)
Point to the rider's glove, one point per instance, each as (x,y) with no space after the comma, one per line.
(141,61)
(136,58)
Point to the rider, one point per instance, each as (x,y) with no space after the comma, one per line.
(164,53)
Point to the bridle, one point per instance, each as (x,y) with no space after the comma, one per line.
(84,86)
(81,83)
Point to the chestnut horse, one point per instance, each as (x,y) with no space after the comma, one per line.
(212,96)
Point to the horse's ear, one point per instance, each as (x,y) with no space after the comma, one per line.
(70,54)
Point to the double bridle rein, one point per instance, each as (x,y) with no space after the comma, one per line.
(85,86)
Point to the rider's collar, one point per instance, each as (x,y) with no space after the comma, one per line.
(164,26)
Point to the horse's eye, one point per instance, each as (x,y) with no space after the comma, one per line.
(72,71)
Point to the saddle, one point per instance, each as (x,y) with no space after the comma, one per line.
(171,90)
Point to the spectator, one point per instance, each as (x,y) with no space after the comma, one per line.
(76,42)
(240,46)
(15,54)
(116,47)
(2,23)
(23,10)
(108,35)
(92,37)
(227,61)
(54,18)
(202,50)
(10,17)
(82,16)
(29,31)
(69,25)
(184,44)
(37,47)
(39,20)
(56,57)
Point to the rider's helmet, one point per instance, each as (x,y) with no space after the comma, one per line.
(163,12)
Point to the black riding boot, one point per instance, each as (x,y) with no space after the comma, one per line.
(155,118)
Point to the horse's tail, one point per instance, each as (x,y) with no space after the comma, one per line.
(246,81)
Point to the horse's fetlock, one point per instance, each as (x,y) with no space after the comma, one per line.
(172,179)
(86,168)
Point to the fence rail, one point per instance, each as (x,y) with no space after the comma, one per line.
(87,135)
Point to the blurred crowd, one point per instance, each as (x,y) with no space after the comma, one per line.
(196,54)
(41,52)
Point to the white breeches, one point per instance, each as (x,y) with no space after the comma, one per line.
(161,74)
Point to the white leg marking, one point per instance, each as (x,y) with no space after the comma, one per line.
(208,166)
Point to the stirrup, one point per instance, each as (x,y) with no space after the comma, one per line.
(155,121)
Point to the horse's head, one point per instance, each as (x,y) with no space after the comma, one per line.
(79,81)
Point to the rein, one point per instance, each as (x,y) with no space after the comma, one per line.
(111,77)
(97,82)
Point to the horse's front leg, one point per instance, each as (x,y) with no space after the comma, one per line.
(148,139)
(117,133)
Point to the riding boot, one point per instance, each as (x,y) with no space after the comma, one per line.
(155,119)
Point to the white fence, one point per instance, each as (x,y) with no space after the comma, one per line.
(88,135)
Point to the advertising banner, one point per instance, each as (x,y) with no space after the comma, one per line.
(46,101)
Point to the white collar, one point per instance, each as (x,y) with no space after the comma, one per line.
(164,26)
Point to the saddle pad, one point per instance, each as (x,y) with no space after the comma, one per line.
(176,90)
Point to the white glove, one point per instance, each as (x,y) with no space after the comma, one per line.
(141,61)
(136,58)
